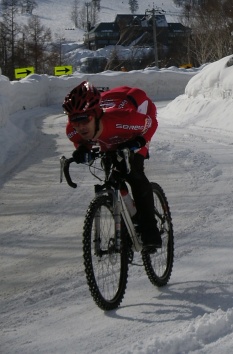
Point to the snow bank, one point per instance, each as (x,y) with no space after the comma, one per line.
(205,92)
(43,90)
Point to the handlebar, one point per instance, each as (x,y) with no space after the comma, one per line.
(64,168)
(65,164)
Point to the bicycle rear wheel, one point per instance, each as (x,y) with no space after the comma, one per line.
(106,268)
(159,265)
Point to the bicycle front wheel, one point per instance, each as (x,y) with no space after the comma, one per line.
(159,265)
(106,267)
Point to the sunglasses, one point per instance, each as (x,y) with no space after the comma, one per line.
(85,119)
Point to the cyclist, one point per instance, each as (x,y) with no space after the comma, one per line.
(123,117)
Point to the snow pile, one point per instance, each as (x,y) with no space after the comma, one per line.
(211,90)
(200,333)
(43,90)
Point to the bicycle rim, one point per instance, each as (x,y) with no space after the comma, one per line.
(159,265)
(106,268)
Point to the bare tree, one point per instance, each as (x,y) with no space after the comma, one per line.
(57,50)
(87,16)
(84,17)
(27,6)
(95,8)
(212,25)
(3,47)
(21,54)
(96,4)
(114,63)
(74,16)
(38,39)
(9,33)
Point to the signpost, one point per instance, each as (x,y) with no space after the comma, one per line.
(23,72)
(63,70)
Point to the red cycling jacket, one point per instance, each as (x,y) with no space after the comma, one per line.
(128,112)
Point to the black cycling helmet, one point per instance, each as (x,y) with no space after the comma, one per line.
(81,101)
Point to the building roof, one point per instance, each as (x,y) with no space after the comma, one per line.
(105,27)
(160,18)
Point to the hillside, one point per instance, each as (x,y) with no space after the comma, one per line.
(56,14)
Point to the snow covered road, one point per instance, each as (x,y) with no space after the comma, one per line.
(45,303)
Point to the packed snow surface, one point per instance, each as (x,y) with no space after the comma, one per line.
(45,305)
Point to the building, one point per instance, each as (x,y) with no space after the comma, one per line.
(138,31)
(103,34)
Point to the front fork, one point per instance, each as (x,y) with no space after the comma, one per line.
(117,217)
(114,200)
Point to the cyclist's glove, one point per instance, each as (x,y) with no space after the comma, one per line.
(82,155)
(134,144)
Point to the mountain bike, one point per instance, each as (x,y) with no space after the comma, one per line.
(111,236)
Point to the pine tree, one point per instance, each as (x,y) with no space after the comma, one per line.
(133,6)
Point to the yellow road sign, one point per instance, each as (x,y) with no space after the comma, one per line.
(63,70)
(23,72)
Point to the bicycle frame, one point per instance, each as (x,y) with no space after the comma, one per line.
(113,189)
(137,245)
(120,209)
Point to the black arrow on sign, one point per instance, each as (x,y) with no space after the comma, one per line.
(66,70)
(25,72)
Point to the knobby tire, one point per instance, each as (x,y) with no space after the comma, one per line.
(106,268)
(158,265)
